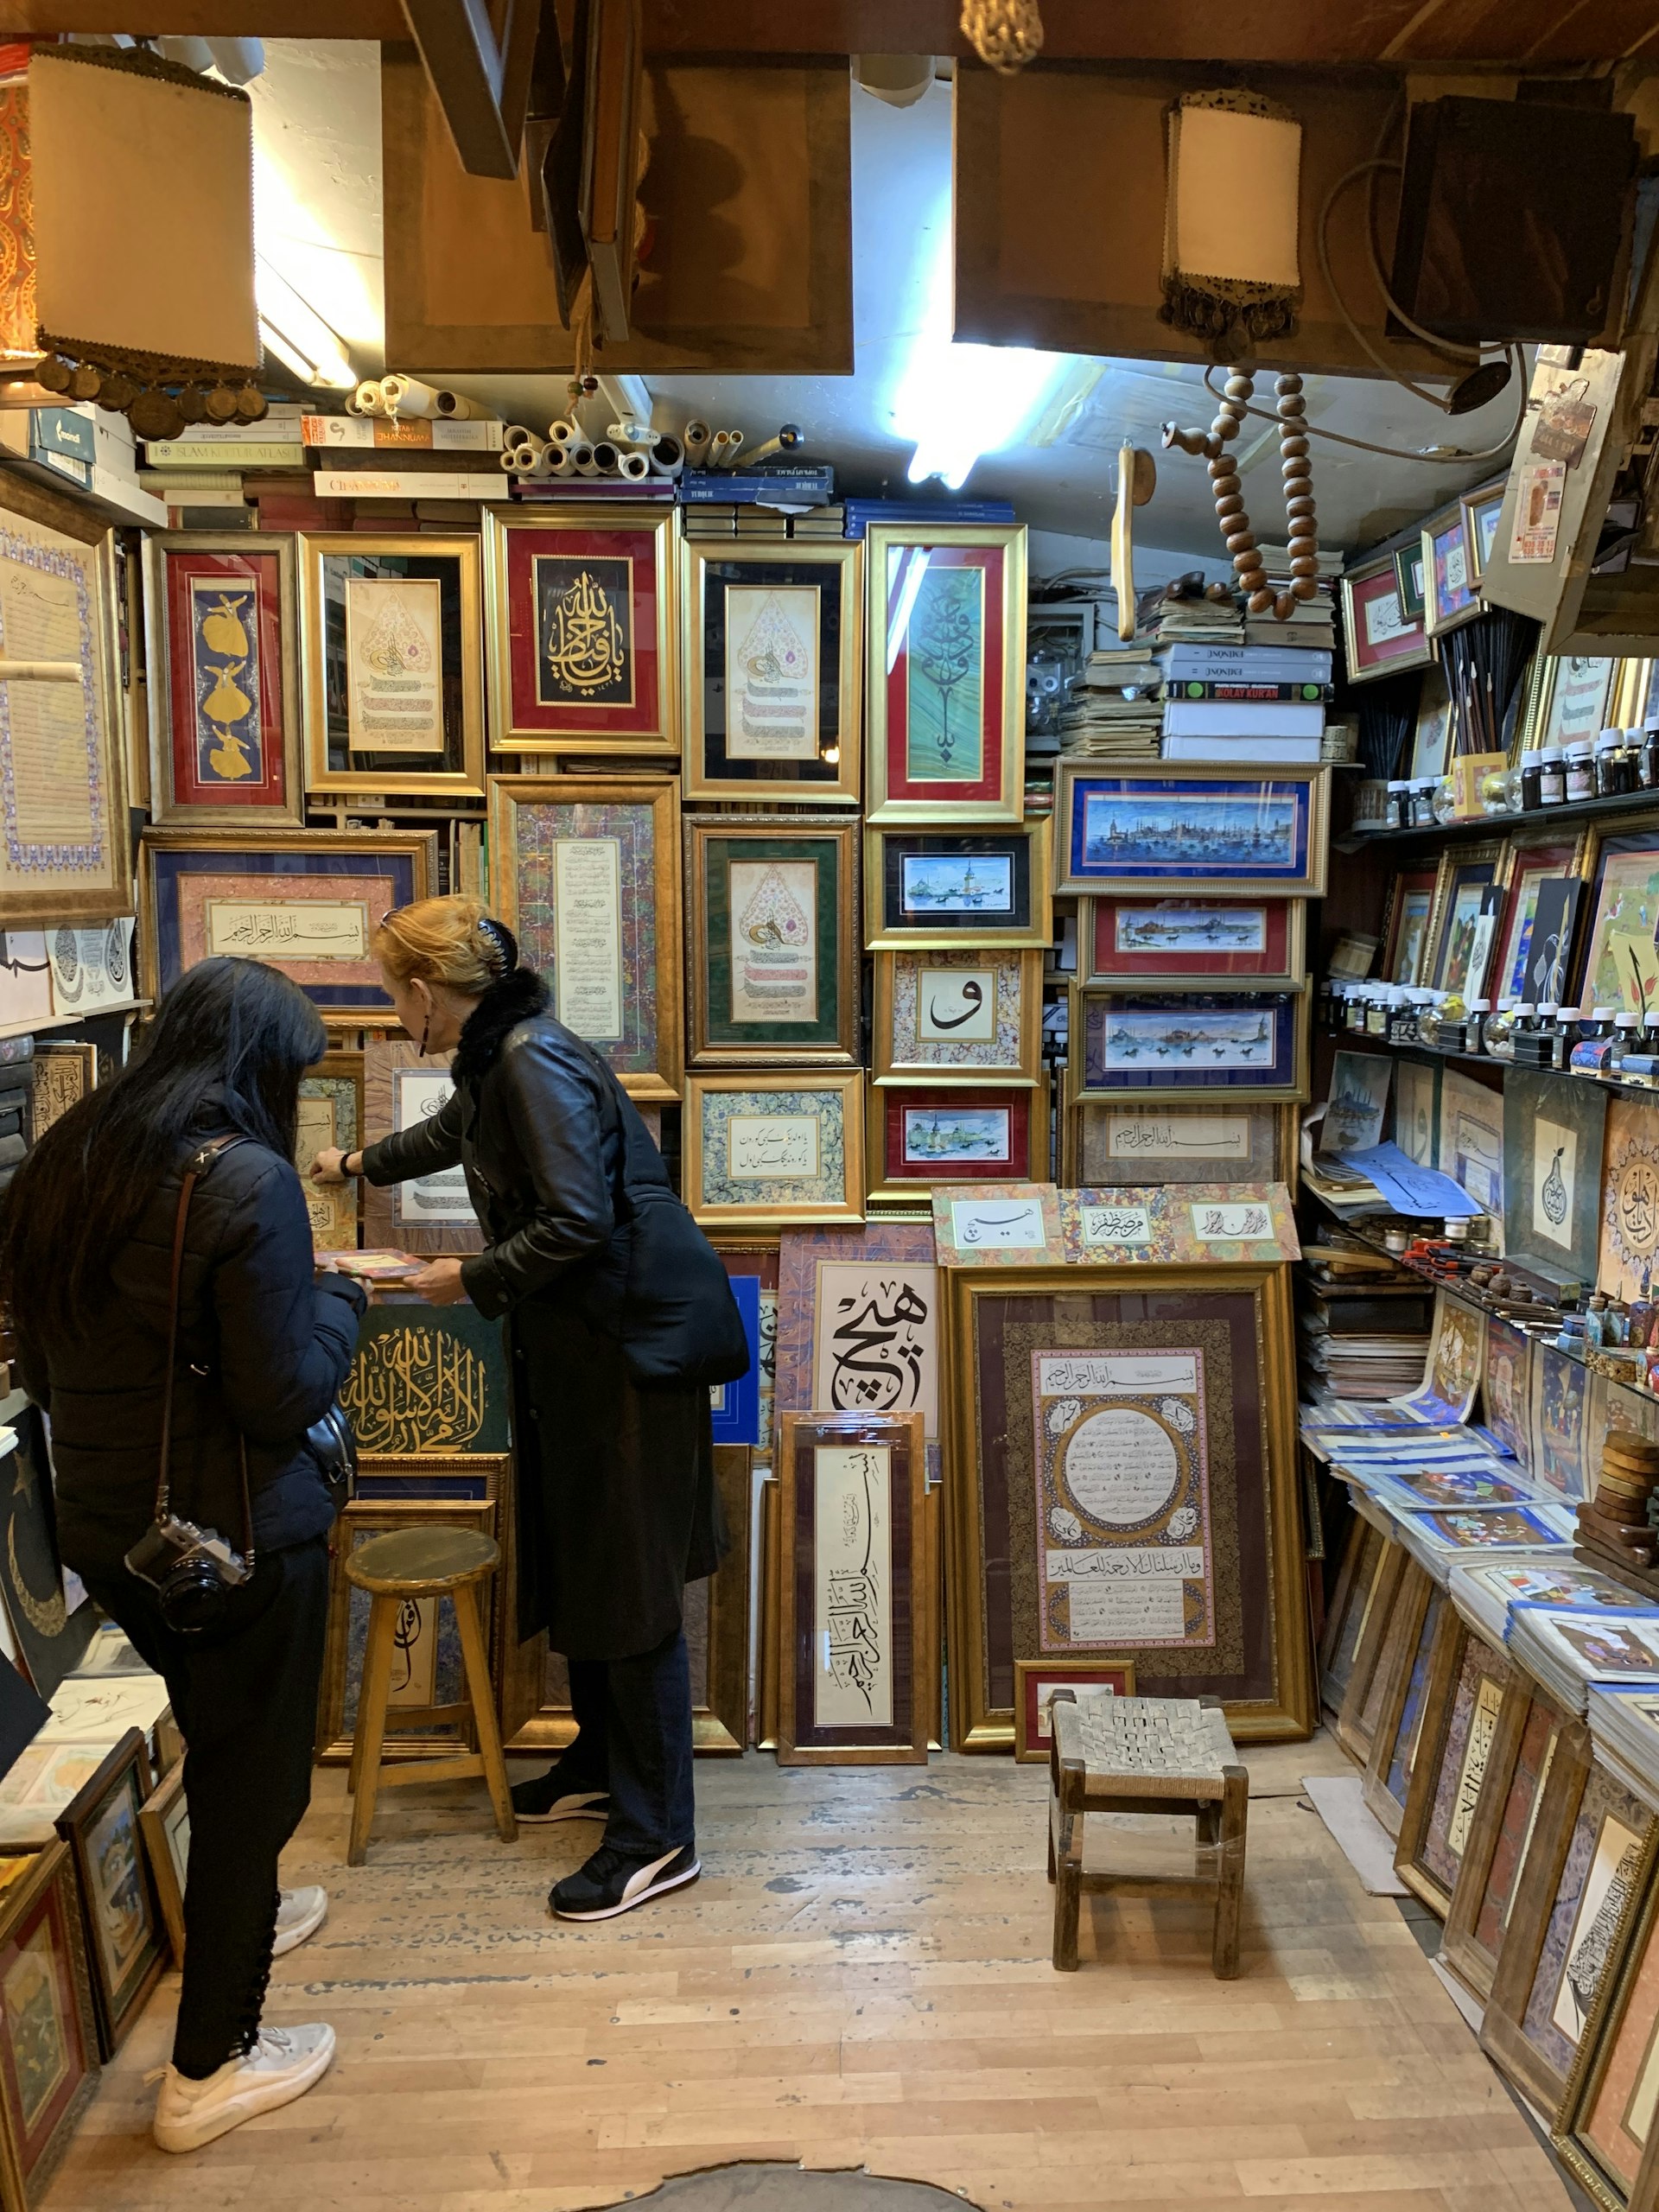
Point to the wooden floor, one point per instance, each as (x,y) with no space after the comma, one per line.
(860,1978)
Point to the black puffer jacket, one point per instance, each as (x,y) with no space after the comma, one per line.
(262,1350)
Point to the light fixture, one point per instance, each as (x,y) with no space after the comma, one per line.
(291,328)
(1232,271)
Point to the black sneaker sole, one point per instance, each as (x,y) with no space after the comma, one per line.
(600,1810)
(629,1904)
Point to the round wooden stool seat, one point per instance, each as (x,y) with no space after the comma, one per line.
(420,1562)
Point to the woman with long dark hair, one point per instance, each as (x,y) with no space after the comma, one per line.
(88,1266)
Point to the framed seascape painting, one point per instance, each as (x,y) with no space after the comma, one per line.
(947,672)
(1518,1765)
(1543,884)
(402,1087)
(48,2032)
(1194,942)
(773,920)
(1121,1460)
(772,1151)
(394,664)
(64,854)
(306,901)
(1168,1047)
(586,872)
(1449,574)
(856,1620)
(965,1017)
(1404,931)
(1380,637)
(1035,1683)
(582,621)
(224,679)
(1619,965)
(127,1938)
(1234,831)
(1467,897)
(938,888)
(1133,1143)
(921,1136)
(331,1114)
(772,670)
(1468,1682)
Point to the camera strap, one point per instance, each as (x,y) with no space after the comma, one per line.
(200,1164)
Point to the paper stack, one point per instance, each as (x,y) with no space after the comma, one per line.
(1625,1730)
(1568,1648)
(1112,711)
(1483,1594)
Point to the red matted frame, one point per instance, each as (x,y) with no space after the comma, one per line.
(630,551)
(891,1176)
(187,575)
(1033,1677)
(1567,858)
(898,561)
(1380,644)
(1277,922)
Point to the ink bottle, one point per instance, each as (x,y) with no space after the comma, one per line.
(1532,781)
(1397,813)
(1624,1028)
(1610,746)
(1552,776)
(1475,1028)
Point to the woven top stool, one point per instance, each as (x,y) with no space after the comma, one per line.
(400,1570)
(1147,1755)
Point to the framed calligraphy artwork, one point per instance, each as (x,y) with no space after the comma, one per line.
(923,1137)
(394,664)
(63,802)
(427,1378)
(1155,1045)
(938,888)
(1190,942)
(1529,1729)
(64,1073)
(1552,1139)
(1013,1224)
(331,1114)
(1232,832)
(947,672)
(858,1323)
(306,901)
(1574,697)
(48,2032)
(1217,1223)
(1451,574)
(1121,1460)
(1035,1683)
(966,1017)
(581,618)
(1468,1682)
(772,670)
(48,1636)
(1381,637)
(856,1621)
(402,1087)
(774,1151)
(586,871)
(224,679)
(1607,2139)
(773,924)
(126,1938)
(1628,1236)
(1177,1144)
(91,969)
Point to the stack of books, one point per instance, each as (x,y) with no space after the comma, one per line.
(1567,1648)
(1483,1595)
(731,522)
(1112,710)
(1245,703)
(1313,622)
(1199,621)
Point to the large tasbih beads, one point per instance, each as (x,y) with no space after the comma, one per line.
(1297,472)
(1296,468)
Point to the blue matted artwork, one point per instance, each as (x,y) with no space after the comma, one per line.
(1195,828)
(735,1407)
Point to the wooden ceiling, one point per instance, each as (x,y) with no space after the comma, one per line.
(1538,34)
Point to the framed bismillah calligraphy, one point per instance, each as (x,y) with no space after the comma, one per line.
(773,906)
(224,677)
(583,629)
(428,1378)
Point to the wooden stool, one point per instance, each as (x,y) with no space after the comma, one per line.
(1147,1755)
(413,1563)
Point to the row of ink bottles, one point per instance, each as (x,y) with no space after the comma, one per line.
(1617,762)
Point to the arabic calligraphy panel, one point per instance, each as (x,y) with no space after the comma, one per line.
(584,620)
(331,1113)
(774,967)
(582,629)
(996,1224)
(774,1149)
(428,1378)
(394,664)
(1629,1198)
(1177,1144)
(963,1015)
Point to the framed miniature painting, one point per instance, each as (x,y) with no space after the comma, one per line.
(164,1822)
(1122,1454)
(394,664)
(1543,882)
(1618,965)
(224,679)
(1405,930)
(772,916)
(1133,1143)
(1403,1669)
(580,613)
(587,873)
(1229,831)
(1155,1046)
(1035,1683)
(402,1087)
(856,1622)
(306,901)
(1468,1682)
(1467,896)
(1175,944)
(331,1114)
(1381,637)
(1481,509)
(922,1135)
(772,663)
(127,1938)
(48,2032)
(774,1151)
(935,889)
(1450,574)
(966,1017)
(947,673)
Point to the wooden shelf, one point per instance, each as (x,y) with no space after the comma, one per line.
(1498,825)
(1343,1042)
(71,1021)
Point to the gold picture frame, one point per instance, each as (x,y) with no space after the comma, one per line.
(1032,1733)
(336,1085)
(1281,1020)
(1015,1118)
(913,1033)
(808,1168)
(391,1221)
(785,944)
(159,1818)
(930,887)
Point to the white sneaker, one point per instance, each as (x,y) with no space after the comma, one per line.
(301,1913)
(282,2066)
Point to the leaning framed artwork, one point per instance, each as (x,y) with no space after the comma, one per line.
(1543,885)
(1518,1765)
(306,901)
(1553,1131)
(1468,893)
(331,1114)
(224,683)
(936,888)
(947,672)
(1121,1462)
(64,1073)
(394,664)
(581,617)
(773,919)
(772,670)
(1607,2138)
(586,872)
(126,1938)
(1229,831)
(774,1151)
(1618,962)
(1190,943)
(1461,1710)
(1036,1682)
(48,2032)
(966,1017)
(922,1135)
(1450,574)
(858,1322)
(164,1822)
(1405,929)
(1381,637)
(1211,1143)
(1151,1044)
(402,1087)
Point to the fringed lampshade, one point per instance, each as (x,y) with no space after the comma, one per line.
(1232,273)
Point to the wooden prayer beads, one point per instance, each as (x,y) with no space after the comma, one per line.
(1296,470)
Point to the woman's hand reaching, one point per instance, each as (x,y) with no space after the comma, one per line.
(439,1283)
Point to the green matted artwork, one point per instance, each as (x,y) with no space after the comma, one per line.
(773,909)
(1553,1131)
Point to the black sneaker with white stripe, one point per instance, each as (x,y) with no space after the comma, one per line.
(612,1883)
(554,1796)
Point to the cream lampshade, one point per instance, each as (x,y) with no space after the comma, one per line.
(1232,271)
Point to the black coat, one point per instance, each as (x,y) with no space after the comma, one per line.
(616,1500)
(263,1347)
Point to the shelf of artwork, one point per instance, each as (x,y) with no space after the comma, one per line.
(71,1021)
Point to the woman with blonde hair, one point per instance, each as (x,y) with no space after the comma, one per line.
(615,1329)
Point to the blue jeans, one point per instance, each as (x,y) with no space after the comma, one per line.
(633,1720)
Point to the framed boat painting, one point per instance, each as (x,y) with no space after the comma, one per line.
(1170,1045)
(921,1135)
(224,683)
(1233,832)
(773,669)
(774,1151)
(580,613)
(394,664)
(1450,598)
(1192,943)
(587,873)
(306,901)
(48,2032)
(932,887)
(773,915)
(947,673)
(963,1017)
(126,1938)
(1382,639)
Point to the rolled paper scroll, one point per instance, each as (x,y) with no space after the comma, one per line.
(582,455)
(667,457)
(454,408)
(563,432)
(633,464)
(696,438)
(606,457)
(407,395)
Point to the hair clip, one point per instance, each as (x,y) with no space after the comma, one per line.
(502,943)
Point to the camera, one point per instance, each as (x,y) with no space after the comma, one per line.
(190,1570)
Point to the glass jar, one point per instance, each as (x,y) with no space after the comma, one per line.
(1376,1013)
(1552,776)
(1532,778)
(1475,1032)
(1398,810)
(1422,803)
(1590,1051)
(1625,1026)
(1353,1011)
(1443,799)
(1579,760)
(1402,1017)
(1627,764)
(1497,1031)
(1609,743)
(1447,1023)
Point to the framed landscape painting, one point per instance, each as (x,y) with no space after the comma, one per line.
(938,888)
(921,1135)
(773,922)
(1154,1046)
(1229,831)
(1193,942)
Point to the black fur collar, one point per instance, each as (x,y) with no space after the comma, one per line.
(516,998)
